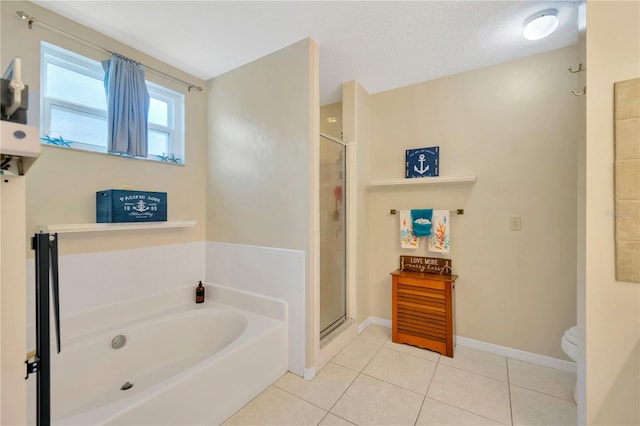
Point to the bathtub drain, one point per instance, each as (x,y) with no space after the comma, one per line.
(126,386)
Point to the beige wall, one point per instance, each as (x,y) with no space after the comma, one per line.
(61,185)
(514,126)
(331,128)
(357,133)
(258,162)
(612,312)
(262,170)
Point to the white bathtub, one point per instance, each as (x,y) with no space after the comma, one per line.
(189,364)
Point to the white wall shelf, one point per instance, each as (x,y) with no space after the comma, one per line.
(99,227)
(416,182)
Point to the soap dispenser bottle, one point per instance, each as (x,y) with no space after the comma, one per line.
(200,293)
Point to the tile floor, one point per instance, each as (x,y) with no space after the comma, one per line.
(374,381)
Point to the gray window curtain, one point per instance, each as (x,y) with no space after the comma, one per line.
(127,105)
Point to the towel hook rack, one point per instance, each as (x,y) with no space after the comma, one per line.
(584,92)
(580,69)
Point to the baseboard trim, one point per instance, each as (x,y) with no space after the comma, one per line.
(543,360)
(546,361)
(363,325)
(373,320)
(309,373)
(381,321)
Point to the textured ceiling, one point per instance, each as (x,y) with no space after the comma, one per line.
(383,45)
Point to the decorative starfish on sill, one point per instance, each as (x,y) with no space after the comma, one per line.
(169,158)
(59,141)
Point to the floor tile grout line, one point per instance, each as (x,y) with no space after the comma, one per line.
(326,412)
(476,374)
(425,396)
(392,384)
(374,355)
(384,381)
(427,391)
(570,399)
(509,390)
(437,363)
(344,366)
(340,397)
(323,417)
(342,394)
(448,404)
(253,399)
(314,404)
(403,352)
(542,366)
(465,410)
(299,397)
(353,381)
(334,414)
(400,387)
(467,371)
(362,373)
(543,393)
(409,353)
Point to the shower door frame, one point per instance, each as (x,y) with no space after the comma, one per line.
(346,196)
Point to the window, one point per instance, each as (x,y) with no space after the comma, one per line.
(74,107)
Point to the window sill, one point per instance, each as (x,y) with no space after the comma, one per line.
(100,227)
(91,151)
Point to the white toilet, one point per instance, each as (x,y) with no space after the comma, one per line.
(569,344)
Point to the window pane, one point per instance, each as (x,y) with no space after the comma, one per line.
(79,127)
(158,143)
(158,112)
(75,87)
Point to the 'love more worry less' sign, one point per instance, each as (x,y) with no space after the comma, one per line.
(430,265)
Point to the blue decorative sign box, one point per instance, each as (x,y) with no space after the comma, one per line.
(118,205)
(422,162)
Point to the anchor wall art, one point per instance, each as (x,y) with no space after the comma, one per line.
(422,162)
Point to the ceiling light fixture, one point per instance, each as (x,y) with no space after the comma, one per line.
(541,24)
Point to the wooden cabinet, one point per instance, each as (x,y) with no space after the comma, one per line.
(423,310)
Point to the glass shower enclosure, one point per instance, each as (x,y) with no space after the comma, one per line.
(333,265)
